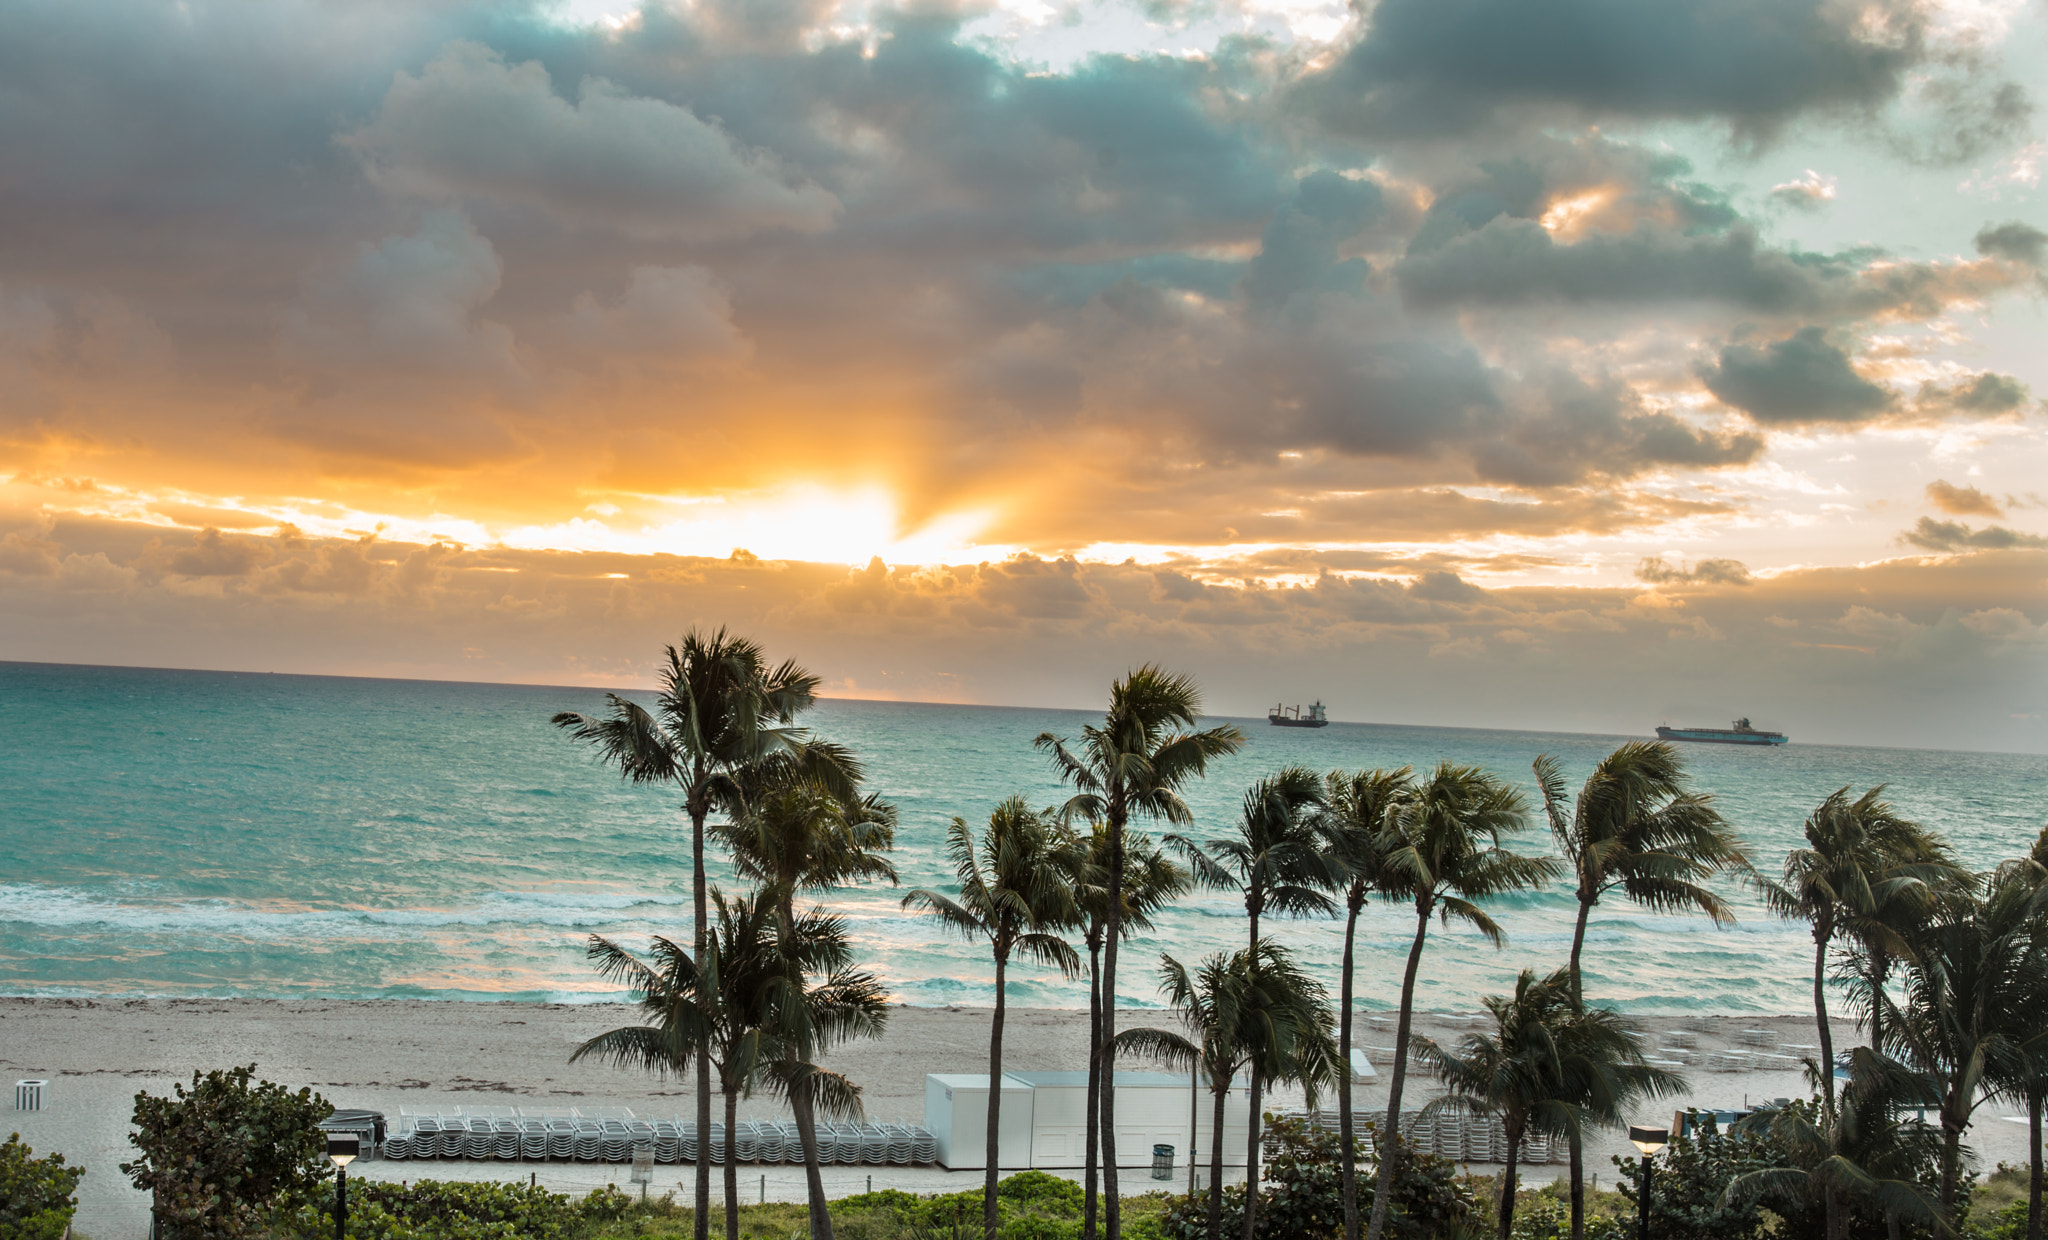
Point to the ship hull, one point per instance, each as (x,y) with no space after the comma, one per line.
(1282,721)
(1708,736)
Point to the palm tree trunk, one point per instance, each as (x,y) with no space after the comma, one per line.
(1194,1121)
(2034,1164)
(1837,1207)
(1951,1165)
(1574,1144)
(1820,1016)
(1251,1158)
(698,945)
(1389,1140)
(800,1101)
(1880,968)
(995,1104)
(732,1173)
(1113,932)
(1216,1167)
(807,1137)
(1507,1182)
(1348,1151)
(1094,1123)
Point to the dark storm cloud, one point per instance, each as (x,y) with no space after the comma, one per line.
(460,245)
(1431,68)
(1801,379)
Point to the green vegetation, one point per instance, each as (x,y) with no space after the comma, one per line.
(37,1195)
(221,1159)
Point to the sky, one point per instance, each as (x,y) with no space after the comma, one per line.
(1574,365)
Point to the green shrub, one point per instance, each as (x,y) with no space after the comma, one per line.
(1301,1192)
(221,1159)
(36,1194)
(453,1210)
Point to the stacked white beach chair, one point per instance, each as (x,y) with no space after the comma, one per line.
(613,1134)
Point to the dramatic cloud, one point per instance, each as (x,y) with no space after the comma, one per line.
(472,126)
(1439,67)
(1346,317)
(1802,378)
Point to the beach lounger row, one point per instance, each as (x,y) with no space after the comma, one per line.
(614,1139)
(1448,1134)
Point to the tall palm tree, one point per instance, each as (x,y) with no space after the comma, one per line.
(1449,858)
(1973,975)
(1133,764)
(2030,1013)
(1015,892)
(797,834)
(1859,854)
(1284,1024)
(1635,826)
(1357,827)
(1278,859)
(1152,880)
(720,706)
(1253,1011)
(729,1008)
(1549,1067)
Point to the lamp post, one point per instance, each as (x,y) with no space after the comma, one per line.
(342,1149)
(1649,1141)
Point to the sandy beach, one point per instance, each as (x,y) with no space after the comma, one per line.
(421,1055)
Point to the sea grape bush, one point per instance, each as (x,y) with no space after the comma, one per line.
(37,1195)
(456,1210)
(222,1158)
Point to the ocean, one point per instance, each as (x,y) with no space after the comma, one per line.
(185,833)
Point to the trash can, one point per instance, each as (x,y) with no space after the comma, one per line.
(1162,1162)
(28,1095)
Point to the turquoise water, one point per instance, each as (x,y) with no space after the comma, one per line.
(204,833)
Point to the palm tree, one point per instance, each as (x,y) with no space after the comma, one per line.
(2031,1013)
(799,835)
(728,1008)
(1635,826)
(720,706)
(1550,1066)
(1134,764)
(1975,972)
(1152,880)
(1253,1011)
(1859,854)
(1853,1155)
(1015,893)
(1357,828)
(1278,858)
(1448,857)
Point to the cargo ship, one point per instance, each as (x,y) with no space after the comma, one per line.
(1740,734)
(1291,717)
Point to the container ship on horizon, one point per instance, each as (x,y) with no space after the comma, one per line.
(1740,734)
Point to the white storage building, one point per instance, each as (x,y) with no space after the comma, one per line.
(956,1114)
(1152,1108)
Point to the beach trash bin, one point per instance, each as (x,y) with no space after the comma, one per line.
(1162,1162)
(28,1095)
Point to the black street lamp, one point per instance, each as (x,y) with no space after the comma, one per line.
(1649,1141)
(342,1148)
